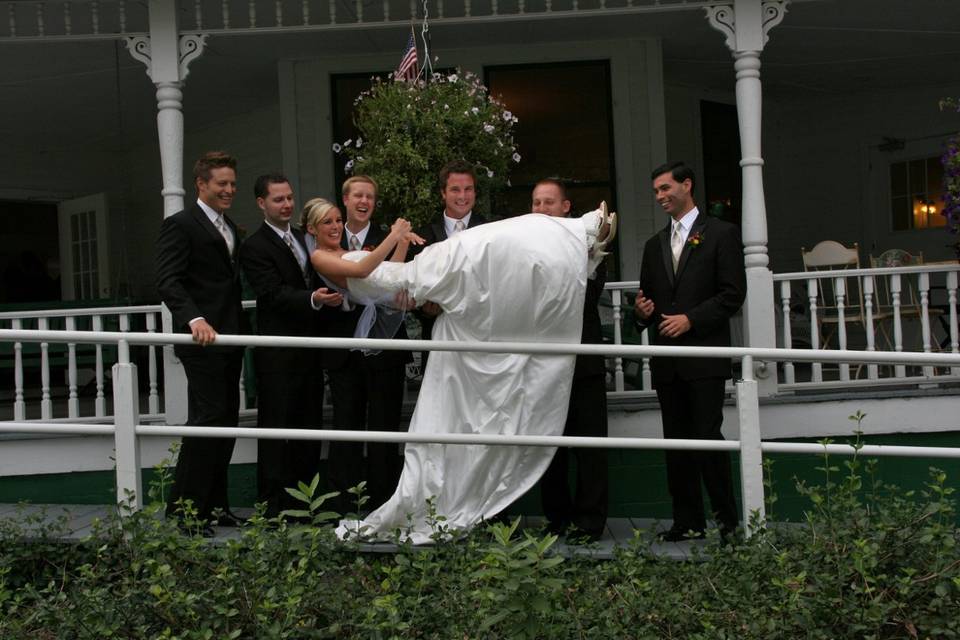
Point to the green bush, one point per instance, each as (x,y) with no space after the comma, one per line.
(870,561)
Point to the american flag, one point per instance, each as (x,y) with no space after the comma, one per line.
(408,69)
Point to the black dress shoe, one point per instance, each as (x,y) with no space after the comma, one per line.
(583,536)
(228,519)
(202,530)
(678,534)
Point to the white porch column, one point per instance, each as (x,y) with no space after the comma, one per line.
(167,56)
(745,23)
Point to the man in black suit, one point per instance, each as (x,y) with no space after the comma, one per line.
(367,388)
(289,381)
(584,515)
(199,280)
(692,282)
(458,189)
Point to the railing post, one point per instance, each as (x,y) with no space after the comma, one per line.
(751,455)
(19,406)
(174,377)
(617,337)
(46,404)
(73,401)
(126,416)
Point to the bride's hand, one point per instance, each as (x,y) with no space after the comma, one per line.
(400,228)
(412,238)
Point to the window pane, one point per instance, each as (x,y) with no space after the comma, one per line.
(918,178)
(898,178)
(902,213)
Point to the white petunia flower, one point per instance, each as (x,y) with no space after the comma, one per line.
(348,166)
(515,120)
(516,157)
(337,148)
(475,110)
(489,173)
(348,142)
(488,128)
(452,77)
(359,142)
(507,116)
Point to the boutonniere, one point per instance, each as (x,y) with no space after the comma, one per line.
(369,247)
(241,232)
(695,240)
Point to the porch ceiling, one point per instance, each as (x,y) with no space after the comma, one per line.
(62,95)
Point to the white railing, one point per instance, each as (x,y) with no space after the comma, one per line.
(127,427)
(72,362)
(895,309)
(26,20)
(882,309)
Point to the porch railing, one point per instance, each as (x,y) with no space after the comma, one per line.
(915,311)
(127,427)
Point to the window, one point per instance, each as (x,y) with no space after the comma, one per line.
(916,194)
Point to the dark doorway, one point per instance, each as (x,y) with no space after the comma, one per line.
(565,130)
(29,253)
(721,160)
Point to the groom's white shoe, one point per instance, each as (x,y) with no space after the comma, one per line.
(601,227)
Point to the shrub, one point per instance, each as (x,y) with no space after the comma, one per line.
(870,561)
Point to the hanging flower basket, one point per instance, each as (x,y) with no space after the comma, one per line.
(407,131)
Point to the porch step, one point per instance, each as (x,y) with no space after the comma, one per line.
(78,521)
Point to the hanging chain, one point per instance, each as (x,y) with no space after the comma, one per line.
(427,68)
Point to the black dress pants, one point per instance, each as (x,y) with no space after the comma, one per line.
(213,399)
(365,396)
(693,409)
(587,508)
(293,400)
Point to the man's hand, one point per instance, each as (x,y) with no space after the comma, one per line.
(203,333)
(431,309)
(643,307)
(674,326)
(403,301)
(327,297)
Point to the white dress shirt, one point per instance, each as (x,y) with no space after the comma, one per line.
(686,223)
(360,236)
(449,224)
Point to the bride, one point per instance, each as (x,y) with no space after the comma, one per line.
(519,279)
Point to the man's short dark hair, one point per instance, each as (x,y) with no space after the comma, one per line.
(212,160)
(456,166)
(558,183)
(261,185)
(679,171)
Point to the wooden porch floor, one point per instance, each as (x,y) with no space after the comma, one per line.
(78,521)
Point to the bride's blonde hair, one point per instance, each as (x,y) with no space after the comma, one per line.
(315,211)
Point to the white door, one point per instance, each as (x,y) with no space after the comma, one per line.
(84,254)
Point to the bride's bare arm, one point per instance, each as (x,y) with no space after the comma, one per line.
(331,265)
(400,255)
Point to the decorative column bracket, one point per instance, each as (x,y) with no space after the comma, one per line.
(722,17)
(190,45)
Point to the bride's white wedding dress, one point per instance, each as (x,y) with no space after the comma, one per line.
(520,279)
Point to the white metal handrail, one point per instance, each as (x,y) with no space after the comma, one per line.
(127,427)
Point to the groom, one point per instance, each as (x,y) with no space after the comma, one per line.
(692,282)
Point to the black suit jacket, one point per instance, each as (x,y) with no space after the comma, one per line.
(435,232)
(709,287)
(283,299)
(592,329)
(196,276)
(342,324)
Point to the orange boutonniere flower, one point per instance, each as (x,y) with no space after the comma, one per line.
(695,240)
(369,247)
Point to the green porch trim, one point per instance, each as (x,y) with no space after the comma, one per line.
(637,480)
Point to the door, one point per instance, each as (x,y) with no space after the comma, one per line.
(84,252)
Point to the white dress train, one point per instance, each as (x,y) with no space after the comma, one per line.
(520,279)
